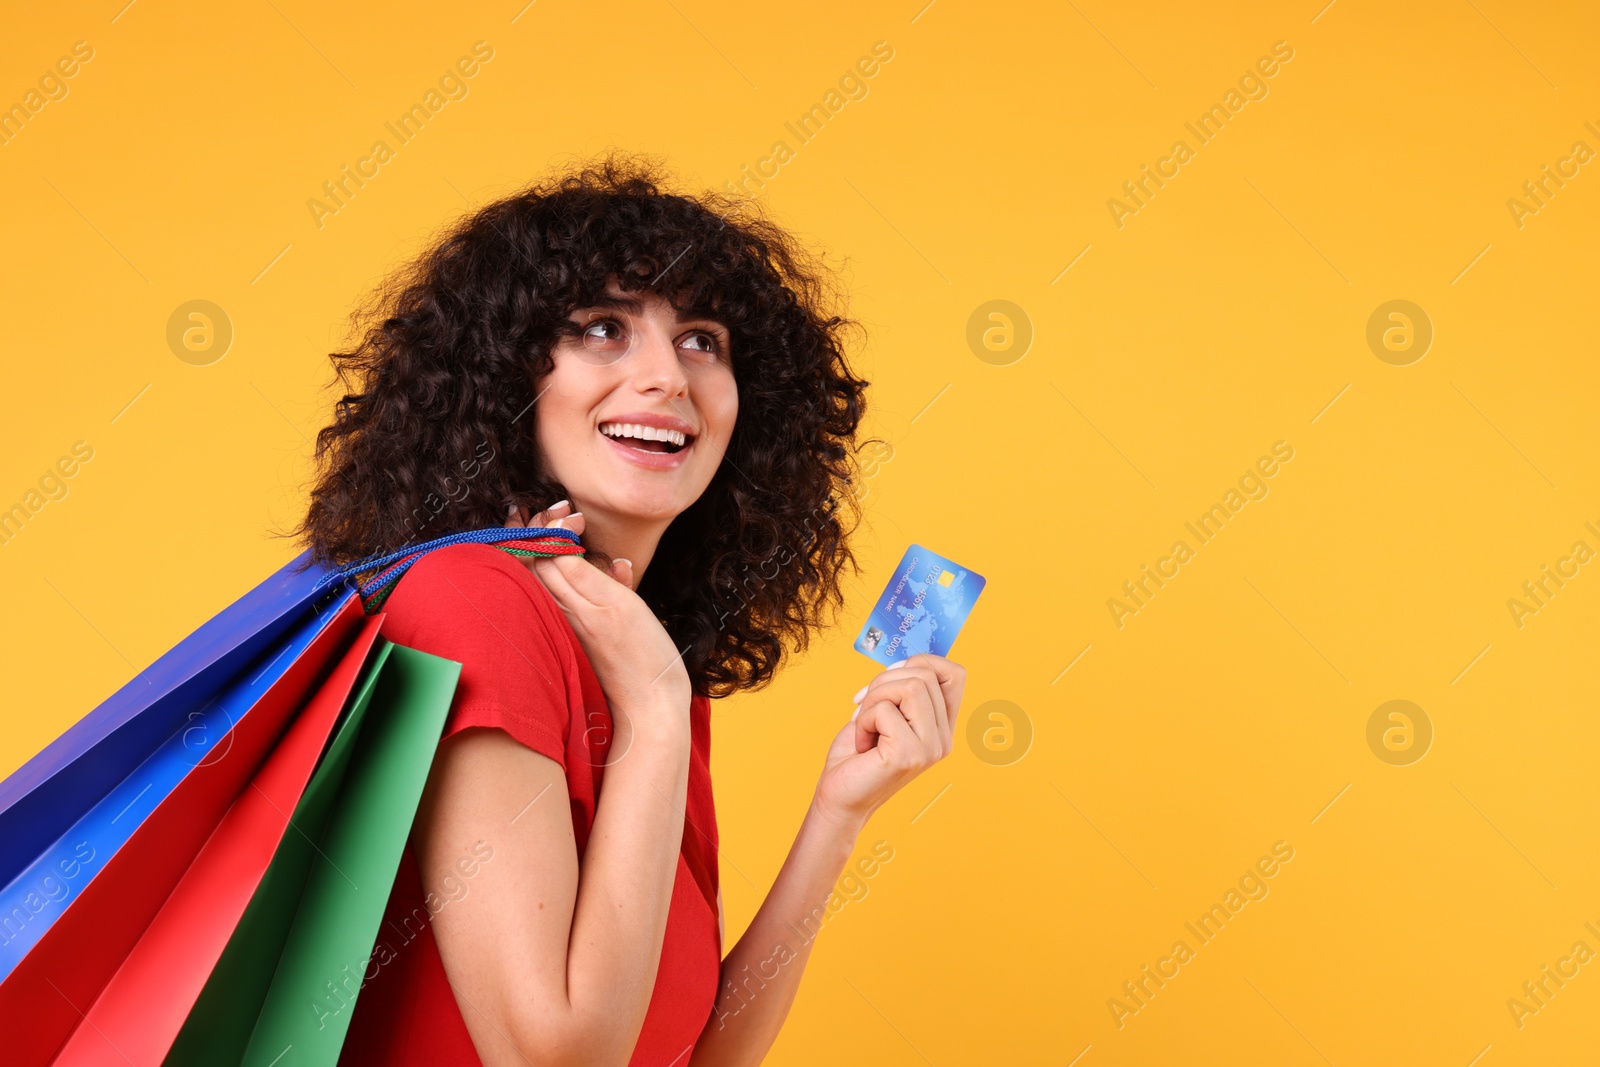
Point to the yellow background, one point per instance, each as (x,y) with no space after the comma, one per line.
(1224,316)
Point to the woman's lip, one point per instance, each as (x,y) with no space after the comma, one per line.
(656,461)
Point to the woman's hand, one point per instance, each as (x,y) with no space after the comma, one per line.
(633,657)
(904,724)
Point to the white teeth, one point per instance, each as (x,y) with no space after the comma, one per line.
(642,433)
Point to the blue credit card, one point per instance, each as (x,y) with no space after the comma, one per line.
(922,609)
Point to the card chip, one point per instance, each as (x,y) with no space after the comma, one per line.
(945,578)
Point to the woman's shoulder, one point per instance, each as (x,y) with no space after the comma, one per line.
(473,589)
(466,569)
(480,607)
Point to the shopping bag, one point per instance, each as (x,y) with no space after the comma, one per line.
(141,1009)
(80,907)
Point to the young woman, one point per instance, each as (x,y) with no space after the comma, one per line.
(664,379)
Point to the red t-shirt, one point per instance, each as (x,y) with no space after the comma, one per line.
(522,670)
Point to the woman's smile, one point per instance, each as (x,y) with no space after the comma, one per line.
(653,441)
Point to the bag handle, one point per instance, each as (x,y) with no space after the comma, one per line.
(519,541)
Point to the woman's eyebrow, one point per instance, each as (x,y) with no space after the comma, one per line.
(633,305)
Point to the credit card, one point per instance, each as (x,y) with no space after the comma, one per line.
(922,609)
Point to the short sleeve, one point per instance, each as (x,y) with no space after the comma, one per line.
(480,607)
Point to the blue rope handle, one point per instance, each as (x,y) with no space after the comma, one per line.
(488,536)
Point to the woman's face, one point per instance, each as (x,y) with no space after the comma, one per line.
(637,411)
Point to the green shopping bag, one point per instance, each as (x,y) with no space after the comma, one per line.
(285,988)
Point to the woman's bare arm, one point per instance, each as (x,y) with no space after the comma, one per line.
(761,975)
(904,724)
(550,964)
(550,967)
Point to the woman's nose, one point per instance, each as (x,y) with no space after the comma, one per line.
(656,365)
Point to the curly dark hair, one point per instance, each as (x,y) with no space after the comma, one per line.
(429,436)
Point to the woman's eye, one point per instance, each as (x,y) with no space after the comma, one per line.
(602,331)
(704,342)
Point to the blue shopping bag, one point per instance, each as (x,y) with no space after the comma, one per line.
(43,798)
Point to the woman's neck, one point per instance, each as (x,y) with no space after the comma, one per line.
(624,538)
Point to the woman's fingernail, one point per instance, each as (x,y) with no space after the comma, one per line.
(855,713)
(859,694)
(558,503)
(897,663)
(623,559)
